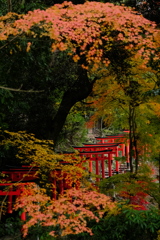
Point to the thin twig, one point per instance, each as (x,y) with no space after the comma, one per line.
(19,90)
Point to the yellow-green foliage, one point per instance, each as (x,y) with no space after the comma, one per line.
(40,153)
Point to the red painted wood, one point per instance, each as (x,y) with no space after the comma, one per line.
(90,166)
(23,216)
(110,166)
(103,169)
(17,175)
(97,169)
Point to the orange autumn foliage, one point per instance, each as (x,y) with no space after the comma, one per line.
(70,212)
(87,31)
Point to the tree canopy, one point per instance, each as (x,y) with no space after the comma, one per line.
(88,31)
(94,34)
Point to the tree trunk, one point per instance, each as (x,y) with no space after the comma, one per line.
(9,5)
(79,91)
(130,139)
(133,151)
(136,153)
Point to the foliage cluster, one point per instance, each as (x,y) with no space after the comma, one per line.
(69,212)
(129,224)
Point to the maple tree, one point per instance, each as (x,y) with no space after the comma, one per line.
(92,37)
(69,212)
(64,24)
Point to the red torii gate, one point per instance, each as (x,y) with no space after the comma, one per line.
(9,190)
(107,146)
(116,147)
(25,175)
(97,149)
(14,175)
(102,152)
(123,145)
(99,157)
